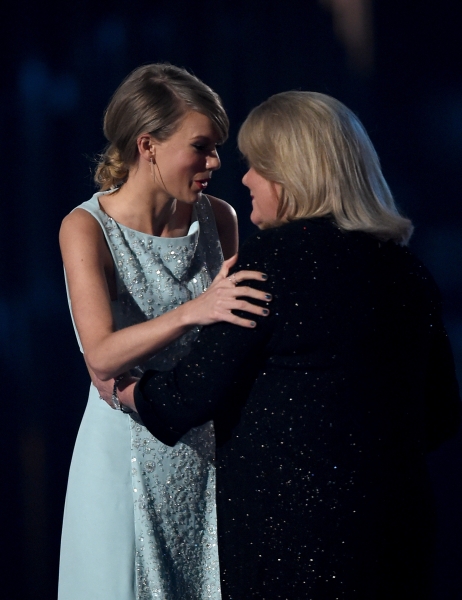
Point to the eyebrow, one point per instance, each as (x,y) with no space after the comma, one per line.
(201,137)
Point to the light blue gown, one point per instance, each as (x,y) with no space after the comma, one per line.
(140,520)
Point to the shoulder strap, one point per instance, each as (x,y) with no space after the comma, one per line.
(93,207)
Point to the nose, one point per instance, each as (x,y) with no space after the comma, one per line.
(244,179)
(213,161)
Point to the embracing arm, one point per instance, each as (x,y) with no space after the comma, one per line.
(218,374)
(443,406)
(90,274)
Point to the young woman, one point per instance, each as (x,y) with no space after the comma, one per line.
(143,266)
(324,412)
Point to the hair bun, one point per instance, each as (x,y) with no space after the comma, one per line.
(111,169)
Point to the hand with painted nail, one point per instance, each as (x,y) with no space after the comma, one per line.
(227,294)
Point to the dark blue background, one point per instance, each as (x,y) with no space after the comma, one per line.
(61,63)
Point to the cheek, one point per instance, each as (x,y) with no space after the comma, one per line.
(275,208)
(272,204)
(182,172)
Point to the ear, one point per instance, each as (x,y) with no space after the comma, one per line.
(146,147)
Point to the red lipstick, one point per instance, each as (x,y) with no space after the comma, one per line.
(202,183)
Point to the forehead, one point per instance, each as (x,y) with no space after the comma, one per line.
(195,124)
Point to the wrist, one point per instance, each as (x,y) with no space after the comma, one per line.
(116,405)
(125,392)
(186,315)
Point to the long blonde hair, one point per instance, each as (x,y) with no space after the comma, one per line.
(153,99)
(320,154)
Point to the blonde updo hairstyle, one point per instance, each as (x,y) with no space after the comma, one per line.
(152,99)
(320,154)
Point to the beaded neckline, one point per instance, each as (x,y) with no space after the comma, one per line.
(192,231)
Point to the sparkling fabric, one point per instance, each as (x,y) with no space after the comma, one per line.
(323,413)
(173,489)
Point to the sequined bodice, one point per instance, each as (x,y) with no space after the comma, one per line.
(173,488)
(156,274)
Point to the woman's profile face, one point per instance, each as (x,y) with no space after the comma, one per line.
(183,164)
(265,198)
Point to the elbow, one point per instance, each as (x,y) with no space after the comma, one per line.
(98,369)
(104,375)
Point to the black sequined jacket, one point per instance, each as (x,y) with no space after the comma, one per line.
(323,414)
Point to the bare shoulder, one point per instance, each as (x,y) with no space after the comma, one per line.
(77,219)
(80,233)
(226,220)
(223,211)
(78,222)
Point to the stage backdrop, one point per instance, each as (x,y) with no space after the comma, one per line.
(396,64)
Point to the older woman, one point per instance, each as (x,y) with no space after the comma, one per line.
(324,412)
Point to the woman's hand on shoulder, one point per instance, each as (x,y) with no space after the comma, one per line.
(226,220)
(224,295)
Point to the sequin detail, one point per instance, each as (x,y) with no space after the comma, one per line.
(174,493)
(173,488)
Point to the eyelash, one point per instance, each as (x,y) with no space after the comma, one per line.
(203,147)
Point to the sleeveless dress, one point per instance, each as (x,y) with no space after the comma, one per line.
(139,519)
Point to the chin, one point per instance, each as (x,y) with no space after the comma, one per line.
(268,224)
(255,221)
(258,222)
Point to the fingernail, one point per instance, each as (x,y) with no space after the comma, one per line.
(253,324)
(265,311)
(268,296)
(264,276)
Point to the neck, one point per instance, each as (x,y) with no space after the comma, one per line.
(138,206)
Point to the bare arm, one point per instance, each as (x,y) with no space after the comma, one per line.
(108,353)
(226,220)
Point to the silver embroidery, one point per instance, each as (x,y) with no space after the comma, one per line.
(173,488)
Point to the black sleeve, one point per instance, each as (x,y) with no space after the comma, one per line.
(220,368)
(442,399)
(443,406)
